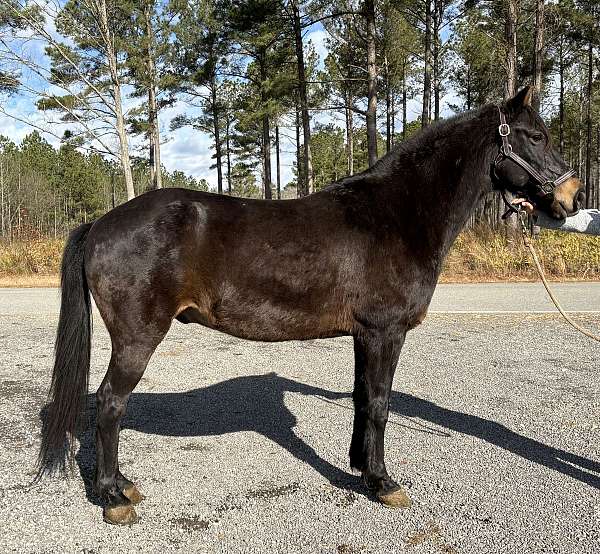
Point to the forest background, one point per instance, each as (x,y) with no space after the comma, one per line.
(102,100)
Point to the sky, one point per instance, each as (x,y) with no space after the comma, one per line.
(185,149)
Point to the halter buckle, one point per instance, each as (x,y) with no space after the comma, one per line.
(504,129)
(547,187)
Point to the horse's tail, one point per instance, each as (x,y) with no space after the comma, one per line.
(72,348)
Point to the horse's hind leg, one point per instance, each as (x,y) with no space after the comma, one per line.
(127,365)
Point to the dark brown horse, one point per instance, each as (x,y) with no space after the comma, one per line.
(361,257)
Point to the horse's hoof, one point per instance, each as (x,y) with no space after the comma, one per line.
(396,499)
(123,514)
(134,495)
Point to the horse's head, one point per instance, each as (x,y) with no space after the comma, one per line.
(528,165)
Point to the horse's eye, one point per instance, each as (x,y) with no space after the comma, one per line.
(538,137)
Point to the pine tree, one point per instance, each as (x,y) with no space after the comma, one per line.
(259,33)
(148,53)
(90,69)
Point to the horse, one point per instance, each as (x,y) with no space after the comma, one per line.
(358,258)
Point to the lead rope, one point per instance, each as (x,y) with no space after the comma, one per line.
(529,245)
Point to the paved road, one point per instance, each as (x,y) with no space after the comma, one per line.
(484,298)
(515,297)
(242,447)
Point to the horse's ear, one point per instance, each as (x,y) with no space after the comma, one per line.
(521,100)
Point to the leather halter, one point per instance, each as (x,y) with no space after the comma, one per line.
(543,186)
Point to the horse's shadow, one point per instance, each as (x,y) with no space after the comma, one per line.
(583,469)
(256,403)
(250,403)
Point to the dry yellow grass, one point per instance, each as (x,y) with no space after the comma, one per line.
(479,255)
(32,257)
(483,256)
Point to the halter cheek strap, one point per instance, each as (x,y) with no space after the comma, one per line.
(543,186)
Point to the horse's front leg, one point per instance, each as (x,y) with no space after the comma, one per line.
(376,354)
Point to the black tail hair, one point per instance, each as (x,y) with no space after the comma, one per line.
(71,360)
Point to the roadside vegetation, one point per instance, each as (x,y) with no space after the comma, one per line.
(30,257)
(484,255)
(478,255)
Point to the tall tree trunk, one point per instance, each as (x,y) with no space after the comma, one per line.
(510,35)
(589,145)
(393,118)
(266,131)
(299,183)
(153,131)
(579,141)
(404,95)
(597,204)
(426,113)
(438,14)
(538,53)
(158,172)
(278,165)
(266,139)
(307,157)
(227,146)
(349,133)
(217,133)
(116,90)
(561,98)
(151,152)
(369,11)
(123,143)
(388,107)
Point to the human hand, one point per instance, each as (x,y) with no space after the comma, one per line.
(525,204)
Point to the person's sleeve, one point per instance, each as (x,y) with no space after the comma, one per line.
(586,221)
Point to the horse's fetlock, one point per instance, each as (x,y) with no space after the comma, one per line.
(107,489)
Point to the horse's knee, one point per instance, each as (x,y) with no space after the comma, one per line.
(374,410)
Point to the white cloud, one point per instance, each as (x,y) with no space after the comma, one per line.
(190,151)
(12,129)
(318,38)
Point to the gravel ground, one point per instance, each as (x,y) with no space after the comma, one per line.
(242,447)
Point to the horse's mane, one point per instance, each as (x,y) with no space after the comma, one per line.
(418,145)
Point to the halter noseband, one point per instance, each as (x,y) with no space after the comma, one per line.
(543,186)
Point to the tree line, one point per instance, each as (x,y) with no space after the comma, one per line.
(250,78)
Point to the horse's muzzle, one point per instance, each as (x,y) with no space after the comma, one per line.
(569,197)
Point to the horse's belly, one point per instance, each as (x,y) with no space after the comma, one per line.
(270,322)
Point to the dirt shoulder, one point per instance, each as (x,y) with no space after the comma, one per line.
(29,281)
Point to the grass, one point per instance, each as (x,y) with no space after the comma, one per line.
(477,256)
(482,255)
(32,257)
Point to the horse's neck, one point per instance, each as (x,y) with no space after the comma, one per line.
(436,196)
